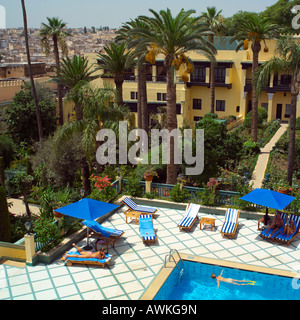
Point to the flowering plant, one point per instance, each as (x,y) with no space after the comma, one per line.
(150,172)
(212,183)
(100,182)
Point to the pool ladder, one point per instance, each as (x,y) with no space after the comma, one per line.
(170,255)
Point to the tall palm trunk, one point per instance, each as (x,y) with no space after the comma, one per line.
(85,170)
(119,79)
(292,132)
(212,81)
(59,86)
(171,120)
(256,49)
(142,98)
(139,102)
(35,98)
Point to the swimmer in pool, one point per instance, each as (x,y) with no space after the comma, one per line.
(232,281)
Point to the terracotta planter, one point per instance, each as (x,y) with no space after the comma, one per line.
(57,214)
(149,178)
(284,191)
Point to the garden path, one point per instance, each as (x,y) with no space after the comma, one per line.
(18,207)
(261,165)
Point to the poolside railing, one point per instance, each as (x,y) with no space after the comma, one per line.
(222,197)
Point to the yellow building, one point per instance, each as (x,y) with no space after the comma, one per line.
(232,81)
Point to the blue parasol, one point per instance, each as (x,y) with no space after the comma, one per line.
(268,199)
(87,209)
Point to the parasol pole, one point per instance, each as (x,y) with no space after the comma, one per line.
(266,216)
(87,247)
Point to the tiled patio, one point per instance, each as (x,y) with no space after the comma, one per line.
(135,265)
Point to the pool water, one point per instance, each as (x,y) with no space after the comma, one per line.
(195,283)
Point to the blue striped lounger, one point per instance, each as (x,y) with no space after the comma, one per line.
(106,232)
(191,214)
(134,207)
(287,239)
(146,228)
(231,222)
(266,234)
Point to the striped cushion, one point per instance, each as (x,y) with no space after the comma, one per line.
(190,216)
(186,221)
(285,237)
(146,227)
(133,206)
(230,221)
(130,203)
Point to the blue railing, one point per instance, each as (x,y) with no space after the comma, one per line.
(222,197)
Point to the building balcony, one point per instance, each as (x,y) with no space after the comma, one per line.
(278,86)
(201,81)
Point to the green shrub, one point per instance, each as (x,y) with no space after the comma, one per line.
(7,149)
(251,147)
(46,232)
(4,217)
(105,194)
(178,195)
(262,116)
(298,123)
(133,187)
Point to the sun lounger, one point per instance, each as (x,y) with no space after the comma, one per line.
(191,215)
(266,234)
(287,239)
(231,222)
(132,206)
(90,261)
(99,230)
(146,228)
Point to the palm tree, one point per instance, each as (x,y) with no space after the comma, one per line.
(288,61)
(74,74)
(35,98)
(213,19)
(99,112)
(172,37)
(257,30)
(54,30)
(117,59)
(142,105)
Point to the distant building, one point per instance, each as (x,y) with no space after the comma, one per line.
(20,70)
(233,90)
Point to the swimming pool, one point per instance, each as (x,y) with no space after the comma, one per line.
(195,283)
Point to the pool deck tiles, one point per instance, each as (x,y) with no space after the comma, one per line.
(135,265)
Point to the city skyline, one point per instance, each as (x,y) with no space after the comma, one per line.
(99,13)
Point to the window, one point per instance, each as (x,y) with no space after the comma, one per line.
(220,75)
(220,105)
(161,96)
(287,111)
(133,95)
(196,119)
(197,104)
(199,74)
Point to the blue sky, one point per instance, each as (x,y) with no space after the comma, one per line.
(112,13)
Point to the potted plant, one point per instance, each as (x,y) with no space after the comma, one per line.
(149,174)
(282,187)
